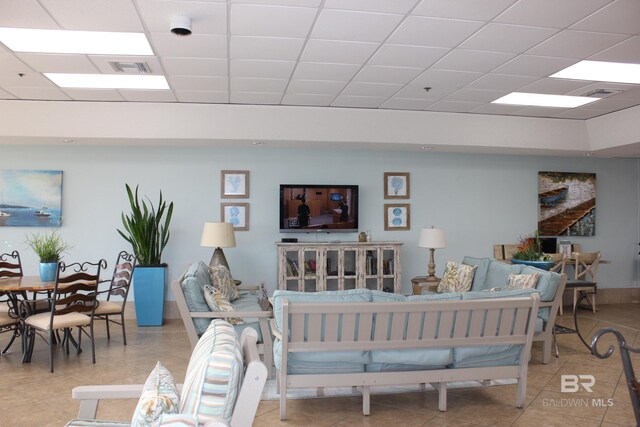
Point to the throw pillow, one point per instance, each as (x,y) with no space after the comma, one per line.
(159,396)
(222,281)
(218,302)
(457,278)
(522,281)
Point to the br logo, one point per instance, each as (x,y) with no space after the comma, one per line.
(572,383)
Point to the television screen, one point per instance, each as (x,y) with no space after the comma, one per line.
(318,208)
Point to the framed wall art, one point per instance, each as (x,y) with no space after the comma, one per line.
(30,198)
(566,204)
(237,214)
(234,184)
(396,185)
(397,216)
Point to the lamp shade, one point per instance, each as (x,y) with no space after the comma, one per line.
(218,235)
(432,238)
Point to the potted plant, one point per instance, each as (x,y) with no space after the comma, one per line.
(530,252)
(49,248)
(146,228)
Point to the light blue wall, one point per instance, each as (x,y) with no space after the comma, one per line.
(478,200)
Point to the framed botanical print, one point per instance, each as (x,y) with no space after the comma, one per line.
(396,185)
(397,216)
(234,184)
(237,214)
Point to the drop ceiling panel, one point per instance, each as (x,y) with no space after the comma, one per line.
(393,55)
(28,79)
(308,99)
(215,67)
(385,6)
(10,64)
(39,93)
(502,82)
(354,26)
(435,78)
(475,95)
(608,104)
(480,10)
(358,101)
(6,95)
(556,86)
(338,51)
(316,87)
(202,96)
(454,106)
(255,98)
(25,14)
(531,65)
(110,95)
(244,84)
(498,109)
(396,103)
(536,13)
(472,60)
(148,95)
(305,3)
(261,69)
(372,89)
(507,38)
(206,17)
(576,44)
(620,16)
(627,51)
(580,114)
(540,112)
(102,62)
(94,15)
(194,46)
(397,75)
(215,84)
(271,21)
(325,71)
(423,31)
(265,48)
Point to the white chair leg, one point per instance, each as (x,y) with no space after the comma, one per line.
(366,400)
(521,392)
(593,303)
(283,398)
(575,299)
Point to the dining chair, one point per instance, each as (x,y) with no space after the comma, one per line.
(72,305)
(559,263)
(10,266)
(584,283)
(119,289)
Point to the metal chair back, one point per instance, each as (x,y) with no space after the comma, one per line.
(122,276)
(10,265)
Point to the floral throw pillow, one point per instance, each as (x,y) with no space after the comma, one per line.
(456,278)
(522,281)
(218,302)
(223,282)
(159,396)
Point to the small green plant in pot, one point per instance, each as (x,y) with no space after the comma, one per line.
(530,252)
(146,228)
(49,248)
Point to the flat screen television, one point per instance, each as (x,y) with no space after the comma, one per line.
(318,208)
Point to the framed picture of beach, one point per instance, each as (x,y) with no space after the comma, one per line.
(30,198)
(566,204)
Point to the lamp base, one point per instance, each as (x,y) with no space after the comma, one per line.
(218,259)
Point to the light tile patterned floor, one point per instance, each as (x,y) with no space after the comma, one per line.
(31,396)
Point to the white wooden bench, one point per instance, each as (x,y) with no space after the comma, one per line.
(369,326)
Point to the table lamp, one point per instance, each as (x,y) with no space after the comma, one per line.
(432,239)
(218,235)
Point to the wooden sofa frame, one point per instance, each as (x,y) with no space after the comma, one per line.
(249,394)
(370,326)
(265,348)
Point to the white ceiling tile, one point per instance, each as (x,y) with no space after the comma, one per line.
(479,10)
(148,95)
(448,78)
(586,88)
(549,13)
(554,86)
(244,84)
(611,104)
(44,93)
(195,66)
(325,71)
(302,3)
(271,21)
(472,60)
(417,91)
(261,69)
(255,98)
(580,114)
(396,103)
(103,62)
(377,74)
(507,38)
(453,106)
(499,109)
(215,84)
(25,14)
(501,82)
(6,95)
(627,51)
(110,95)
(434,32)
(537,66)
(621,16)
(475,95)
(316,87)
(201,96)
(354,26)
(385,6)
(94,15)
(338,51)
(206,17)
(540,111)
(194,46)
(9,64)
(371,89)
(54,63)
(308,99)
(265,48)
(629,93)
(358,101)
(27,79)
(407,56)
(576,44)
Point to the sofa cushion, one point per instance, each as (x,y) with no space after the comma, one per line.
(214,374)
(200,271)
(548,282)
(194,296)
(159,396)
(247,302)
(177,420)
(505,293)
(498,275)
(456,278)
(481,273)
(522,281)
(221,280)
(330,362)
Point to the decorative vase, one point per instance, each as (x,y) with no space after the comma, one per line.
(543,265)
(148,293)
(48,271)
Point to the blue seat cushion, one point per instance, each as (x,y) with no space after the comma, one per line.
(194,296)
(547,284)
(480,276)
(318,363)
(247,301)
(498,275)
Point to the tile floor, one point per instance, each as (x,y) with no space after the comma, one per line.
(31,396)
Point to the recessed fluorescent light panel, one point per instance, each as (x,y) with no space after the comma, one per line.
(544,100)
(107,81)
(616,72)
(79,42)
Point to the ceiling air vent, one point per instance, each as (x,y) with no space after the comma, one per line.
(602,93)
(130,67)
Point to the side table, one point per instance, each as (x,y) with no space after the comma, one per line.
(419,283)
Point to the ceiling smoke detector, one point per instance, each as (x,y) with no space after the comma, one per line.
(130,67)
(602,93)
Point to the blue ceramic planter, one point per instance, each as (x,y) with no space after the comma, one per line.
(543,265)
(148,291)
(48,271)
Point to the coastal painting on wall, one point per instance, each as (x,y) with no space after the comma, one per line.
(237,214)
(234,184)
(396,217)
(567,204)
(30,198)
(396,185)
